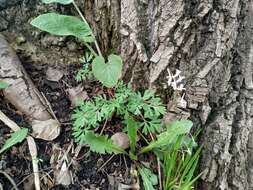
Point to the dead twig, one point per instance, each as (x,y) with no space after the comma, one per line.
(28,175)
(10,179)
(34,154)
(32,148)
(106,163)
(48,105)
(103,127)
(11,124)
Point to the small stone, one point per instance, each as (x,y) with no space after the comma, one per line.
(121,139)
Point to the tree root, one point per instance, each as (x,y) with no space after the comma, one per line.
(32,149)
(23,94)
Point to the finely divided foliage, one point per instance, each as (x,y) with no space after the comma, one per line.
(85,73)
(147,107)
(138,112)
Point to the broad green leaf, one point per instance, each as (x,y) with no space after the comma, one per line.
(101,144)
(64,2)
(107,73)
(132,127)
(16,137)
(3,85)
(63,25)
(173,131)
(149,179)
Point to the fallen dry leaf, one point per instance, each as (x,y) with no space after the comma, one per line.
(60,160)
(63,176)
(46,130)
(77,94)
(53,74)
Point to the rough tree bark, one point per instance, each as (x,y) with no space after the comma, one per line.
(209,40)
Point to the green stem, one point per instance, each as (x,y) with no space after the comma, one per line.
(146,149)
(91,49)
(84,20)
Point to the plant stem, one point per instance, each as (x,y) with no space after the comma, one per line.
(158,167)
(91,49)
(85,21)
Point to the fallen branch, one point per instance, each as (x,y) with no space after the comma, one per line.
(32,148)
(22,93)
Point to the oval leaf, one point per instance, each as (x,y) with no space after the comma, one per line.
(3,85)
(64,2)
(16,137)
(108,74)
(63,25)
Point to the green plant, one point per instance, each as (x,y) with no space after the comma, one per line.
(3,85)
(148,177)
(85,73)
(146,108)
(179,166)
(63,25)
(16,137)
(138,112)
(107,73)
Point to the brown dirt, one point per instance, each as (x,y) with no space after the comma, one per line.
(17,161)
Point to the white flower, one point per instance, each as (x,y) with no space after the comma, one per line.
(181,102)
(175,81)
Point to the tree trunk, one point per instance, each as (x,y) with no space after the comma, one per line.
(210,41)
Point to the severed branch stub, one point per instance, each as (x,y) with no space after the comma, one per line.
(23,94)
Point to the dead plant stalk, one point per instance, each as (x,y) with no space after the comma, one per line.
(31,144)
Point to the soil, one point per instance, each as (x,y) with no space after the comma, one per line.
(17,160)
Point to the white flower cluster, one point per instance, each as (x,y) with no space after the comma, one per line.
(176,82)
